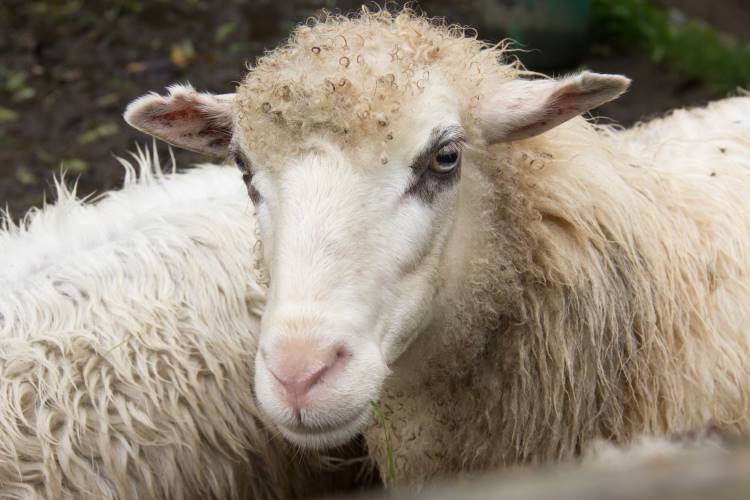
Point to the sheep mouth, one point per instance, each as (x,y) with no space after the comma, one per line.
(320,436)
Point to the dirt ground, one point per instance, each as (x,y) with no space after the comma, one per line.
(68,69)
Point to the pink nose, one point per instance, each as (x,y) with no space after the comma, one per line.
(300,363)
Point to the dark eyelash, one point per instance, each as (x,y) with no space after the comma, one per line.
(251,191)
(422,166)
(241,163)
(247,176)
(456,146)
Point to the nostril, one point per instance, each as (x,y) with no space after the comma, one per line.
(297,375)
(301,385)
(342,352)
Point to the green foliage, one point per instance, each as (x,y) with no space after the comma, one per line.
(100,131)
(7,115)
(689,48)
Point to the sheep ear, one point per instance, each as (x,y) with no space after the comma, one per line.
(524,108)
(196,121)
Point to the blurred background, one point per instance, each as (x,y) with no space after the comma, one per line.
(68,68)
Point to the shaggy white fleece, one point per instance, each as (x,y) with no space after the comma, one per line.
(127,339)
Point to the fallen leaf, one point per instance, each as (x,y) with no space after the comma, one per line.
(107,100)
(44,156)
(182,54)
(15,81)
(26,176)
(223,32)
(135,67)
(103,130)
(7,115)
(75,165)
(23,94)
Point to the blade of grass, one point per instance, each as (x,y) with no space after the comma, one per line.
(119,344)
(380,416)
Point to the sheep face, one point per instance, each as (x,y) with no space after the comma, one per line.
(352,244)
(354,165)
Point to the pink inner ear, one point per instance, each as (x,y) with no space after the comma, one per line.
(575,103)
(194,123)
(524,108)
(560,109)
(186,119)
(567,104)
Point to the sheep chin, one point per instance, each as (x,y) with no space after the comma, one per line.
(331,437)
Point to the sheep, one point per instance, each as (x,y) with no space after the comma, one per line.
(448,241)
(128,330)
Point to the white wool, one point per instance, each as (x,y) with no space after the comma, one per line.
(635,321)
(127,337)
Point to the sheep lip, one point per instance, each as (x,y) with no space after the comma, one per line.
(323,436)
(326,427)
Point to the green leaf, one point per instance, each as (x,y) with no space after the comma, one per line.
(96,133)
(75,165)
(26,176)
(7,115)
(223,31)
(24,94)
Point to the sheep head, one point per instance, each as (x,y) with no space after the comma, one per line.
(352,139)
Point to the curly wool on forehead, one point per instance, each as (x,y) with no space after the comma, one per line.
(352,78)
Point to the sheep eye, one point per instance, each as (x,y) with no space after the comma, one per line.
(446,159)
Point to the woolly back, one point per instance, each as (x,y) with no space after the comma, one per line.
(127,337)
(609,300)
